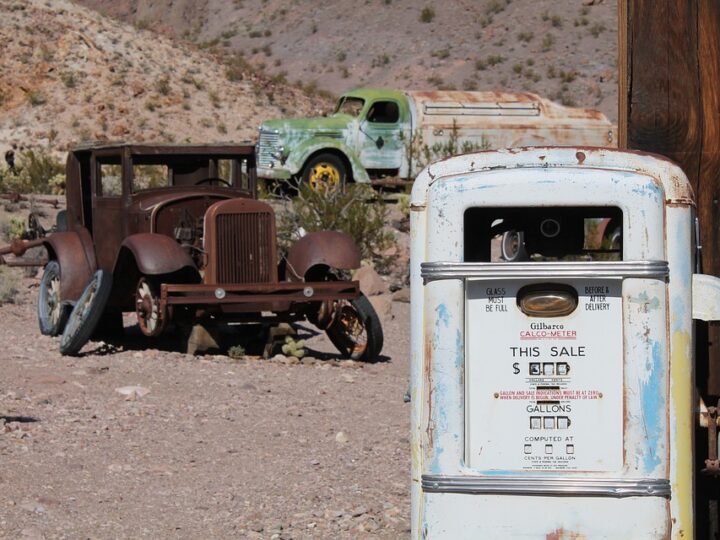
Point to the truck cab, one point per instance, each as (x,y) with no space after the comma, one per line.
(363,138)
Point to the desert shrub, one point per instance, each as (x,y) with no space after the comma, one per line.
(35,169)
(427,14)
(525,37)
(9,286)
(356,210)
(495,59)
(162,85)
(597,29)
(548,42)
(36,98)
(236,352)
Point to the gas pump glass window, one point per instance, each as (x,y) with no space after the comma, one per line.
(543,234)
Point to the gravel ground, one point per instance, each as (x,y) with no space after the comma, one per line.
(207,447)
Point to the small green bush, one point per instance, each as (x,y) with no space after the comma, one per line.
(427,14)
(34,171)
(9,286)
(356,210)
(236,352)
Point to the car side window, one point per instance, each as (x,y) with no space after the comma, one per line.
(384,112)
(110,180)
(149,176)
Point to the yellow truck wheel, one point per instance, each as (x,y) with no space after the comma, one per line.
(325,172)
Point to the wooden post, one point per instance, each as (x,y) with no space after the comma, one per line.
(669,103)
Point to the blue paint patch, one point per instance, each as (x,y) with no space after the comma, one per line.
(652,191)
(653,405)
(443,315)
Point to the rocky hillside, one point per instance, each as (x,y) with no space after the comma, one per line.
(70,74)
(562,49)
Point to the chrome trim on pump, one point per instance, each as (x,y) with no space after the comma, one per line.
(433,271)
(588,487)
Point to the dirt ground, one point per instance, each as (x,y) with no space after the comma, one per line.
(207,446)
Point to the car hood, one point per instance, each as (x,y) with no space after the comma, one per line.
(323,126)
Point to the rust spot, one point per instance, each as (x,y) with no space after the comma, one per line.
(562,534)
(580,157)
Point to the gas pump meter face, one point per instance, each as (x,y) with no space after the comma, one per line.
(544,358)
(550,289)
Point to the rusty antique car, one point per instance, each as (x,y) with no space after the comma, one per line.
(176,233)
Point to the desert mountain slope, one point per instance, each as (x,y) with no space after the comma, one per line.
(562,49)
(70,74)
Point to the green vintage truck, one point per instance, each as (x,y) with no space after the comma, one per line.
(378,133)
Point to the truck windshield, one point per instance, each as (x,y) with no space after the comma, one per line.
(350,105)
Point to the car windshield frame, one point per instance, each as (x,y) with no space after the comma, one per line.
(346,101)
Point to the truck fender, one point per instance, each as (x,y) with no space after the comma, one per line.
(73,250)
(299,156)
(326,248)
(154,254)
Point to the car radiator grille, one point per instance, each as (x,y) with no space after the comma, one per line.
(243,248)
(268,144)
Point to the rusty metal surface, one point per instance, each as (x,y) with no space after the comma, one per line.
(258,297)
(329,248)
(240,242)
(76,267)
(157,254)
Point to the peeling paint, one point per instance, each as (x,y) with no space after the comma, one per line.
(653,406)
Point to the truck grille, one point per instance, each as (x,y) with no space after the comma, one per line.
(268,144)
(243,248)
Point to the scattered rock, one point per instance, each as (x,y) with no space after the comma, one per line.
(383,306)
(132,393)
(402,295)
(341,438)
(370,281)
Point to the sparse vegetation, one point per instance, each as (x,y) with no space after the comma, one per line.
(68,78)
(494,7)
(34,171)
(9,286)
(36,98)
(597,29)
(162,85)
(495,59)
(236,352)
(427,15)
(356,210)
(441,54)
(525,37)
(548,42)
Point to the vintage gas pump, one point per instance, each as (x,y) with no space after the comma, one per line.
(553,397)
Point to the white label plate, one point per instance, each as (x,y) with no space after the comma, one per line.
(544,394)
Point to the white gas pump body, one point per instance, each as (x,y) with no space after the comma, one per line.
(573,426)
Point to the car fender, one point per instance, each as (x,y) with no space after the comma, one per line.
(155,254)
(327,248)
(299,155)
(73,250)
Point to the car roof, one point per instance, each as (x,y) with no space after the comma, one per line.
(242,148)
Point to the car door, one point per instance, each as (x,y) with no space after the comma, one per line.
(381,144)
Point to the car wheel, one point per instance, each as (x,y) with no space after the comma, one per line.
(86,313)
(356,330)
(150,318)
(326,173)
(52,313)
(512,246)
